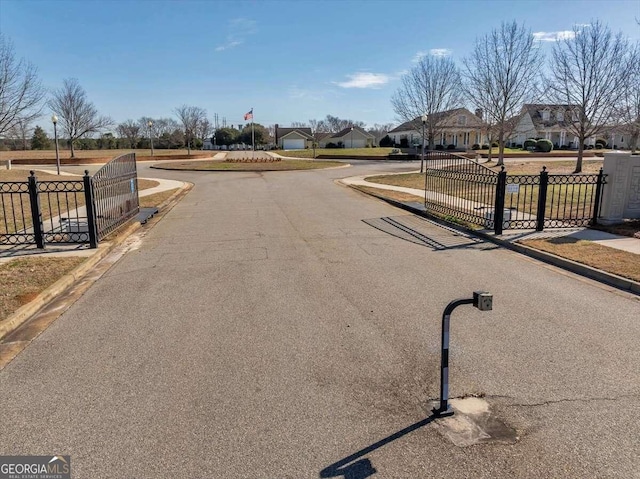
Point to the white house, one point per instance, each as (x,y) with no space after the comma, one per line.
(458,127)
(350,137)
(553,122)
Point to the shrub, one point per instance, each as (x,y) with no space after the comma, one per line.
(529,143)
(518,145)
(439,147)
(451,147)
(475,146)
(386,141)
(495,144)
(600,145)
(331,145)
(404,143)
(484,147)
(544,146)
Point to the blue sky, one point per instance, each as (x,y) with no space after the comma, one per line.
(289,60)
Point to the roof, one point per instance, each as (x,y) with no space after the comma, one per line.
(416,123)
(298,131)
(347,131)
(303,131)
(534,110)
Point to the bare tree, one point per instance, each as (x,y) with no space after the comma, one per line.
(299,124)
(588,71)
(379,131)
(21,131)
(191,117)
(431,87)
(21,93)
(130,130)
(500,76)
(205,129)
(627,112)
(78,117)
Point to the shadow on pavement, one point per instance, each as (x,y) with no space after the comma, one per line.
(357,467)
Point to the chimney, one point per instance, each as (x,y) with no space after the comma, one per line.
(275,133)
(479,113)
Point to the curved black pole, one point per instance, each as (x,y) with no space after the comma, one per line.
(444,409)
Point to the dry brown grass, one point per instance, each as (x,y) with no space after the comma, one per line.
(592,254)
(153,201)
(589,166)
(23,279)
(394,195)
(629,228)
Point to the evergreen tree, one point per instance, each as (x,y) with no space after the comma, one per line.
(40,140)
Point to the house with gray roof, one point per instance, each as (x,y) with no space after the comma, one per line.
(458,127)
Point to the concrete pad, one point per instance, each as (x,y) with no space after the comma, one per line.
(474,423)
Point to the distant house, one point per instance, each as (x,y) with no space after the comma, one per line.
(350,137)
(458,127)
(301,138)
(553,122)
(293,138)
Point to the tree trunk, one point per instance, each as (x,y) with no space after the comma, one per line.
(73,151)
(580,152)
(500,148)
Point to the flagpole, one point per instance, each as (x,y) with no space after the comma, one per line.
(253,141)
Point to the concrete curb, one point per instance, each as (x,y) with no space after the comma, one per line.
(22,314)
(610,279)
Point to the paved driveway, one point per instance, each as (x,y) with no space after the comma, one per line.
(262,329)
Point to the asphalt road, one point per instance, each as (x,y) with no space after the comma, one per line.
(262,329)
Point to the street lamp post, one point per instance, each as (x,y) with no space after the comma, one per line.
(351,137)
(54,119)
(150,124)
(424,120)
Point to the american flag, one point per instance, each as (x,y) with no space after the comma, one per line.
(249,115)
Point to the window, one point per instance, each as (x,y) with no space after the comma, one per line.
(560,115)
(462,120)
(545,115)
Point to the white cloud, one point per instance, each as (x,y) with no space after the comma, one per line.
(440,52)
(230,44)
(364,80)
(419,56)
(554,36)
(239,29)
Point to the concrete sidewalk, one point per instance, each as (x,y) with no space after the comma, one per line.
(624,243)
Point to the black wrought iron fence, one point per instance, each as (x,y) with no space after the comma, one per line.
(115,194)
(463,189)
(458,187)
(69,211)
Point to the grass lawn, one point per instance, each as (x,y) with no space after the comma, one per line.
(354,152)
(284,165)
(592,254)
(51,154)
(23,279)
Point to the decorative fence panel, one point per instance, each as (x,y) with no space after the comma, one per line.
(461,188)
(115,193)
(69,211)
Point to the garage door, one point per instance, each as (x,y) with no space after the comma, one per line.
(291,144)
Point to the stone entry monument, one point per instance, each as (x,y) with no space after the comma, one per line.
(621,194)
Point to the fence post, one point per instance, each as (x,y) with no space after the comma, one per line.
(596,206)
(91,212)
(36,214)
(542,198)
(498,211)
